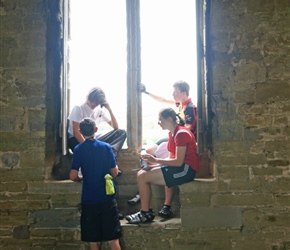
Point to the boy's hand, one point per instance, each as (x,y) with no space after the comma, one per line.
(142,88)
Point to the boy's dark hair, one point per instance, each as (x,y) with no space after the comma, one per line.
(87,126)
(96,95)
(183,86)
(169,112)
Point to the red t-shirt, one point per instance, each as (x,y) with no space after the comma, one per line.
(183,137)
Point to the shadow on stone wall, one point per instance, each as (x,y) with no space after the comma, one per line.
(61,167)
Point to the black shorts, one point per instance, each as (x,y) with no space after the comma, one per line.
(100,222)
(72,143)
(175,176)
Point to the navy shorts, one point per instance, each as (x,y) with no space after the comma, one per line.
(100,222)
(175,176)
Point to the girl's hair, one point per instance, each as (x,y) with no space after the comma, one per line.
(87,126)
(169,112)
(96,95)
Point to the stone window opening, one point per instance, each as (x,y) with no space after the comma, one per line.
(134,101)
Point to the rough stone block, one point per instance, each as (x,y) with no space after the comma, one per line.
(20,174)
(243,96)
(36,120)
(65,187)
(238,158)
(269,218)
(283,200)
(12,218)
(251,244)
(21,232)
(199,187)
(195,200)
(55,218)
(274,91)
(245,185)
(233,172)
(25,141)
(126,191)
(280,185)
(204,217)
(267,171)
(244,200)
(5,232)
(49,233)
(17,186)
(7,123)
(65,200)
(25,205)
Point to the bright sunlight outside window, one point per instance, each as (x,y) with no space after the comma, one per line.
(98,54)
(168,54)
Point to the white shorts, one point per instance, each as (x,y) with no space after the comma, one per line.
(161,151)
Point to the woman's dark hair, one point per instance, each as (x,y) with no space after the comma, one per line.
(87,126)
(169,112)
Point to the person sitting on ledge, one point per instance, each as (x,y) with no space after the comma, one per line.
(187,112)
(97,108)
(180,167)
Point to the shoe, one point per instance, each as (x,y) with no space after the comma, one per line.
(119,173)
(120,216)
(140,217)
(165,212)
(134,200)
(151,214)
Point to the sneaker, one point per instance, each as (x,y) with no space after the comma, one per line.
(120,216)
(151,214)
(165,212)
(140,217)
(134,200)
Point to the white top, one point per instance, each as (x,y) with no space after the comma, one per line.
(83,111)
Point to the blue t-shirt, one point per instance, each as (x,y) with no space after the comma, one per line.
(95,158)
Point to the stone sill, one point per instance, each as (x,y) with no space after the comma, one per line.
(213,179)
(158,223)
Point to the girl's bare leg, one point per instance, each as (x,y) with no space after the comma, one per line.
(145,178)
(168,195)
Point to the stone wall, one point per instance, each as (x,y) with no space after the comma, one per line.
(250,59)
(247,206)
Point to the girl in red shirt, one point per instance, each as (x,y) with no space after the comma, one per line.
(180,167)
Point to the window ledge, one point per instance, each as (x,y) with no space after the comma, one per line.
(212,179)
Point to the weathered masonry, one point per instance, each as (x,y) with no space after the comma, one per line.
(247,203)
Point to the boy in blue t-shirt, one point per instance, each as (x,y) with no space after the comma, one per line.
(99,218)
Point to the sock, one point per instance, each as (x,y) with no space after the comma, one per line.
(144,212)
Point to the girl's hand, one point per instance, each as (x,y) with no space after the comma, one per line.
(148,158)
